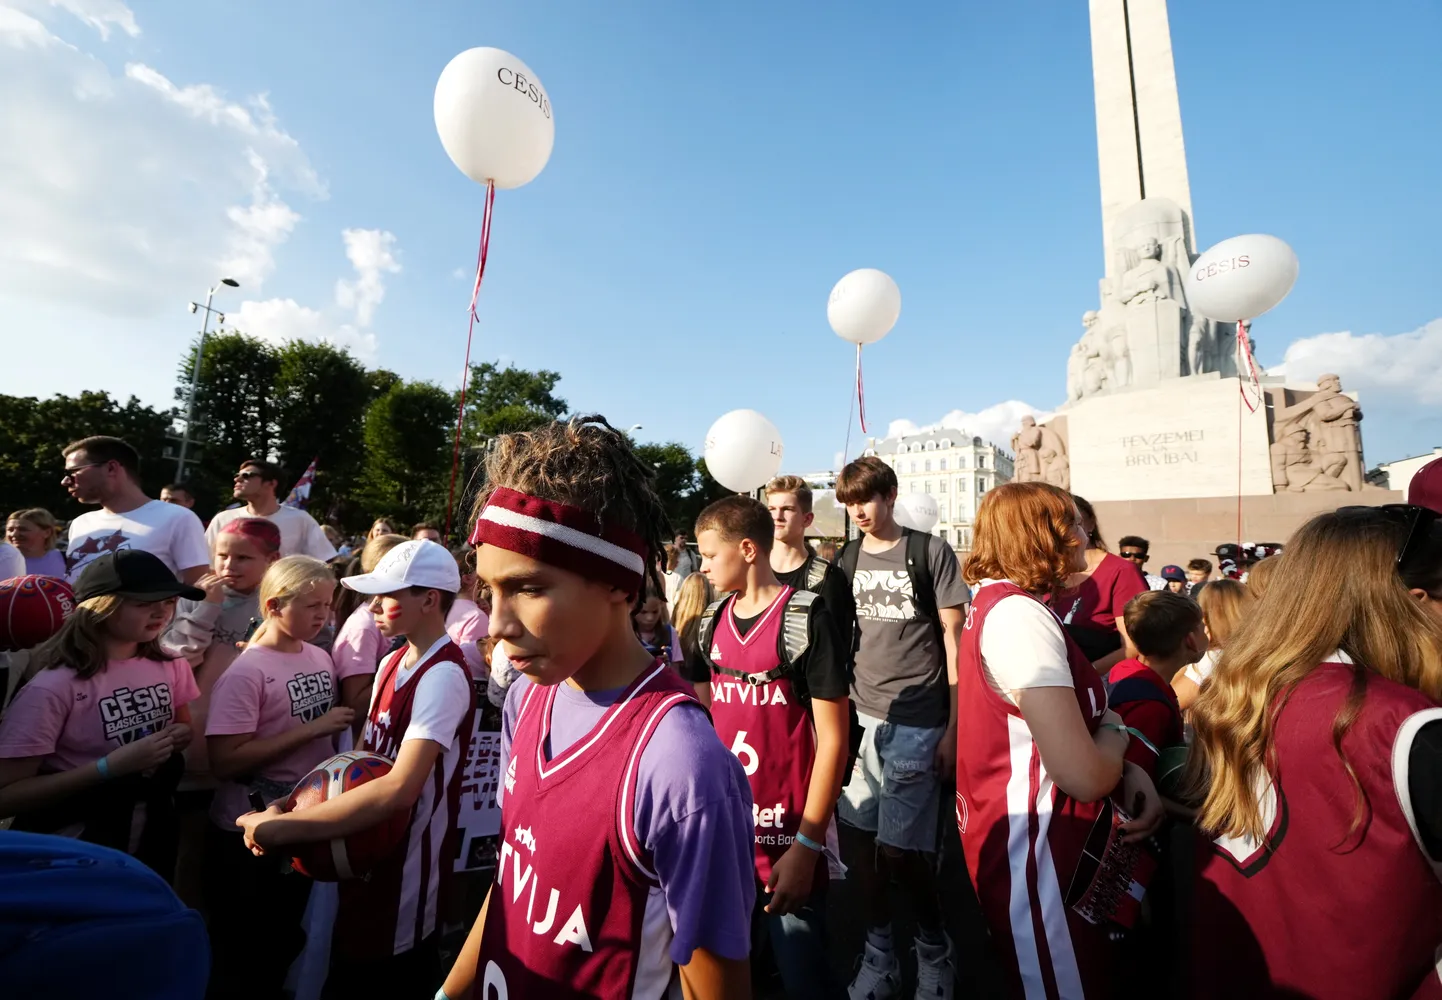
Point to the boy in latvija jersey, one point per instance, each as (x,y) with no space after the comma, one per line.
(386,938)
(787,722)
(625,869)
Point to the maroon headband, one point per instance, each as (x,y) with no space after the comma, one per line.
(563,536)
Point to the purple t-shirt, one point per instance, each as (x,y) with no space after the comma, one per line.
(693,813)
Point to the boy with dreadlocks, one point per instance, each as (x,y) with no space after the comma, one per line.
(626,849)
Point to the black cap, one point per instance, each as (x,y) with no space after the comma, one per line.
(132,573)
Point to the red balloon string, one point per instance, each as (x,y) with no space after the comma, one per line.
(1244,352)
(860,391)
(481,254)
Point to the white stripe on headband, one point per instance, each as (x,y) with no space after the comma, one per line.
(624,558)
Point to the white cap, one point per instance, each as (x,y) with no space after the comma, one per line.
(418,563)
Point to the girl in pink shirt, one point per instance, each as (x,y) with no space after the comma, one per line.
(359,645)
(91,746)
(273,718)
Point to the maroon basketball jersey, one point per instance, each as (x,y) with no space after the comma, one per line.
(398,901)
(766,727)
(1313,911)
(576,911)
(1022,836)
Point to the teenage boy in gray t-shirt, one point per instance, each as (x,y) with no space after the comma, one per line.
(905,695)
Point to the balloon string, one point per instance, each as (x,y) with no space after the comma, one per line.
(850,411)
(482,252)
(860,391)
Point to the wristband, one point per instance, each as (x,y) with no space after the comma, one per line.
(807,842)
(1132,731)
(441,994)
(103,766)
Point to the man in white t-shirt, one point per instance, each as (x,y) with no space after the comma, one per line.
(106,471)
(255,484)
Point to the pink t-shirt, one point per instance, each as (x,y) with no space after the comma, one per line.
(466,622)
(358,645)
(70,722)
(267,692)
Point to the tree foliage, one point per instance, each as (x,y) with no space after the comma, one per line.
(321,395)
(506,400)
(682,482)
(407,452)
(234,409)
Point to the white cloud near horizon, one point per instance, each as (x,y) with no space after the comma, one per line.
(1408,365)
(995,424)
(123,192)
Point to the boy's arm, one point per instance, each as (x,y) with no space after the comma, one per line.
(358,809)
(710,977)
(953,621)
(461,983)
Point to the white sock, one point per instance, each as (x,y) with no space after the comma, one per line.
(879,938)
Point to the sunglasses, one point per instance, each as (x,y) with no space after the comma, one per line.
(1134,555)
(72,473)
(248,474)
(1417,520)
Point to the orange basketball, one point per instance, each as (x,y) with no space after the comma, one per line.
(353,856)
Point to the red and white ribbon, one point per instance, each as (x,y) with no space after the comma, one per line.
(860,391)
(1247,369)
(481,254)
(563,536)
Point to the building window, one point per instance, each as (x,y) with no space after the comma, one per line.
(980,485)
(946,442)
(914,485)
(927,465)
(966,537)
(961,462)
(981,461)
(931,446)
(941,486)
(913,465)
(943,534)
(941,510)
(928,487)
(943,465)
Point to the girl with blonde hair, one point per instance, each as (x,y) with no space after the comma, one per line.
(91,746)
(273,718)
(692,599)
(359,645)
(33,532)
(1225,604)
(1316,759)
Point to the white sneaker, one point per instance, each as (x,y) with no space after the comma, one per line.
(878,975)
(935,972)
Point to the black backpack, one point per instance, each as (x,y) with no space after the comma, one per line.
(791,641)
(918,567)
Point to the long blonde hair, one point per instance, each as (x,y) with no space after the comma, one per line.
(42,519)
(1225,603)
(1337,587)
(285,580)
(366,562)
(692,597)
(80,643)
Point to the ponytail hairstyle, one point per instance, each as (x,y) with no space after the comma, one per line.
(586,463)
(348,600)
(80,643)
(287,579)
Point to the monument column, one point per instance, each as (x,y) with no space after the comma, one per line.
(1139,118)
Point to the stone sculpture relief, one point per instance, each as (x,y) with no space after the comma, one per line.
(1144,331)
(1040,455)
(1318,442)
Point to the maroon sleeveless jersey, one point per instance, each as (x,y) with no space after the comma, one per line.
(1022,836)
(576,910)
(398,902)
(1314,911)
(766,727)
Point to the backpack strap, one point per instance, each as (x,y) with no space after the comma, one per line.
(923,586)
(796,626)
(816,568)
(707,629)
(847,557)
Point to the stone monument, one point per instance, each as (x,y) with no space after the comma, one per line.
(1155,431)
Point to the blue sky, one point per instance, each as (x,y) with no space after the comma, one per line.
(717,168)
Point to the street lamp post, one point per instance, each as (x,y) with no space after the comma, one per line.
(195,371)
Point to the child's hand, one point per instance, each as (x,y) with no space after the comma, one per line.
(337,720)
(180,735)
(214,587)
(1139,797)
(250,825)
(142,755)
(791,876)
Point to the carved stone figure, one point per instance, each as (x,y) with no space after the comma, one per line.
(1293,468)
(1149,278)
(1329,435)
(1040,455)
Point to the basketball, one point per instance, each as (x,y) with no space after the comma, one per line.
(32,609)
(353,856)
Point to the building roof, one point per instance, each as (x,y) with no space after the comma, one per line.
(958,438)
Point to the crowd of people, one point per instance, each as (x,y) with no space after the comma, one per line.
(1161,785)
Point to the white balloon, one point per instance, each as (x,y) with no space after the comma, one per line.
(864,306)
(1241,278)
(494,117)
(743,450)
(916,511)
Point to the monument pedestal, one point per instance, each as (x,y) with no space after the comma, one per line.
(1181,439)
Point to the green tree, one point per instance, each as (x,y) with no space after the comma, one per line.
(506,400)
(682,481)
(32,432)
(407,452)
(234,408)
(320,401)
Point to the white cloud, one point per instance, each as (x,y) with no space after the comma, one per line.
(123,193)
(1403,364)
(995,424)
(369,251)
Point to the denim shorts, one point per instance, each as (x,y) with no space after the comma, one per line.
(895,791)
